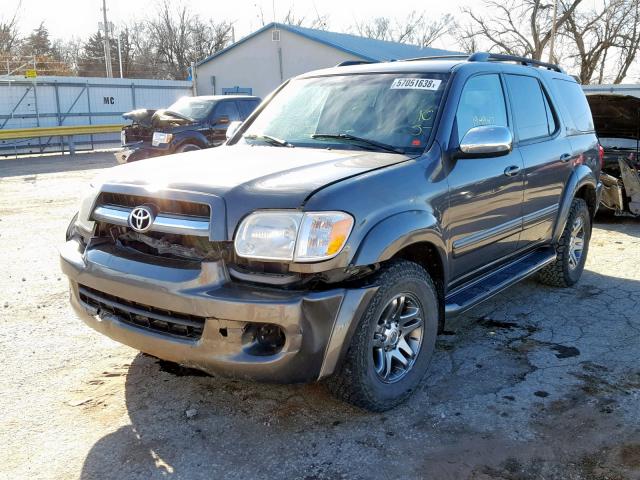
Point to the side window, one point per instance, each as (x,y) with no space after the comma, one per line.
(572,98)
(226,109)
(247,107)
(551,119)
(529,107)
(481,103)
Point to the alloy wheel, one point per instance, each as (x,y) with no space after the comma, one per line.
(397,338)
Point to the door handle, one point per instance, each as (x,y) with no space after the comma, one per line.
(512,170)
(565,157)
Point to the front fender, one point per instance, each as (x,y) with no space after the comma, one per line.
(580,177)
(398,231)
(191,136)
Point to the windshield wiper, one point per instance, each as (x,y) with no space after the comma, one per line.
(269,139)
(348,136)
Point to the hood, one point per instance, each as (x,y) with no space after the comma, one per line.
(615,116)
(154,118)
(250,177)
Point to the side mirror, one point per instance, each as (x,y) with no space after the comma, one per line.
(233,128)
(222,121)
(486,141)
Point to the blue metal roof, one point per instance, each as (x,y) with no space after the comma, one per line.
(365,48)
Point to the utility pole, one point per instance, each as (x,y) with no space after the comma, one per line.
(119,54)
(553,31)
(107,46)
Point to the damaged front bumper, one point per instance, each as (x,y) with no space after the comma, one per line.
(195,316)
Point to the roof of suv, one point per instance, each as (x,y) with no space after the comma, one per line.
(443,65)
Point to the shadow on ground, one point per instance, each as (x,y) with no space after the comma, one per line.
(529,386)
(55,164)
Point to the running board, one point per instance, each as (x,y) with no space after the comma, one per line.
(469,295)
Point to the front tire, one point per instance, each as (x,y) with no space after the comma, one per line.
(394,341)
(571,250)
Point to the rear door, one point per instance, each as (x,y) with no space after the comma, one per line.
(484,218)
(546,154)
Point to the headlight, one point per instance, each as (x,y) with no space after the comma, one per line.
(293,236)
(160,138)
(83,223)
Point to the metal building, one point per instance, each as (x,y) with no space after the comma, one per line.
(261,61)
(66,101)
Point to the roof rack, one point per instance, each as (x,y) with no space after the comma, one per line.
(346,63)
(492,57)
(438,57)
(499,57)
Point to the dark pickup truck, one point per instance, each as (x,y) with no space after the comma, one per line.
(191,123)
(340,226)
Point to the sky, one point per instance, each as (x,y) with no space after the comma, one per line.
(79,18)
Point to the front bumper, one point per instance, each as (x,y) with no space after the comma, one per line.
(132,154)
(317,325)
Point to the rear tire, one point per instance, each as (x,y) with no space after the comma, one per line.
(399,326)
(187,147)
(571,250)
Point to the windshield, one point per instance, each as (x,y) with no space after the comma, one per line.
(194,108)
(395,111)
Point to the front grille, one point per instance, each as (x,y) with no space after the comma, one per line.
(164,205)
(143,316)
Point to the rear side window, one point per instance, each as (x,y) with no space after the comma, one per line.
(247,107)
(533,117)
(481,103)
(572,97)
(226,109)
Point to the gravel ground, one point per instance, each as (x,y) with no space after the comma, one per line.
(537,383)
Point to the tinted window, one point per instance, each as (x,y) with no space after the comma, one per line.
(573,99)
(529,107)
(481,103)
(246,107)
(551,119)
(227,109)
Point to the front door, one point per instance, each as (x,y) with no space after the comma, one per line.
(484,218)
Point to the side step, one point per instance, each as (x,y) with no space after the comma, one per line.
(470,294)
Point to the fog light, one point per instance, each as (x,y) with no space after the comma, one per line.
(263,339)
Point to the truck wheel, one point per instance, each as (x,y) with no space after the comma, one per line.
(571,250)
(187,147)
(393,342)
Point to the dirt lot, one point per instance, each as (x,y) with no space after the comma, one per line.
(537,383)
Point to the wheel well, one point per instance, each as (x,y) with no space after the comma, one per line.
(588,194)
(191,140)
(426,255)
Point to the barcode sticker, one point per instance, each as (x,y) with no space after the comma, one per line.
(415,84)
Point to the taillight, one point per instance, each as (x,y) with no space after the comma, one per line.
(601,156)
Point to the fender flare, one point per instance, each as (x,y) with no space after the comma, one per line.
(191,137)
(400,230)
(580,177)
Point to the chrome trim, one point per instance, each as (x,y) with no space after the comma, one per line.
(487,140)
(539,215)
(467,243)
(175,224)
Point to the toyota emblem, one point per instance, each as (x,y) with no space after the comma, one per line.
(141,218)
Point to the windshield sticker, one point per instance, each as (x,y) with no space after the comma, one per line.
(415,84)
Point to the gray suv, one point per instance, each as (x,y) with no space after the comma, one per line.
(354,212)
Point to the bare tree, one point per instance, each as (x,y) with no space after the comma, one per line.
(317,21)
(415,28)
(604,41)
(179,37)
(518,27)
(9,33)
